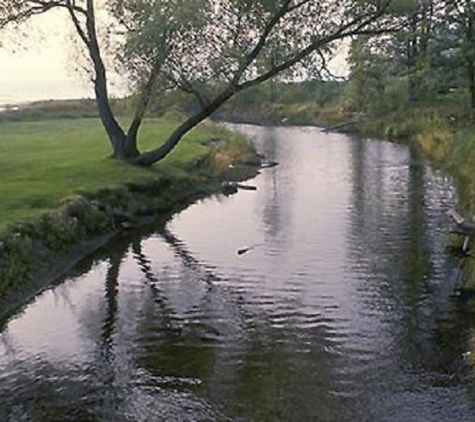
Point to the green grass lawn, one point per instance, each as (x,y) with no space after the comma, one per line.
(44,161)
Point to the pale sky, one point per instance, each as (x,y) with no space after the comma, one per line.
(40,70)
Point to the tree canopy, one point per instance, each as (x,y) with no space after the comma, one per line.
(431,60)
(212,49)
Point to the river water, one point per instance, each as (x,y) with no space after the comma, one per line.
(343,310)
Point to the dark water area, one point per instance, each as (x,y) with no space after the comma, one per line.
(343,310)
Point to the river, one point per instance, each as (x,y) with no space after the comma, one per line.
(342,310)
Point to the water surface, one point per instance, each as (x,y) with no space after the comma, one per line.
(342,311)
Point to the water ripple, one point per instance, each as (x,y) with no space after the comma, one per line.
(342,310)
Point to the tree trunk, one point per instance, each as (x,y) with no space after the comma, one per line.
(413,90)
(114,132)
(470,57)
(471,83)
(412,61)
(144,101)
(149,158)
(122,148)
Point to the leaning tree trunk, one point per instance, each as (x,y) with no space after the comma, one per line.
(141,109)
(149,158)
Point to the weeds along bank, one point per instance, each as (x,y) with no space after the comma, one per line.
(61,196)
(446,141)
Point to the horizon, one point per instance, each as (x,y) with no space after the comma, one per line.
(39,68)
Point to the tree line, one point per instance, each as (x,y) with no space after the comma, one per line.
(431,61)
(215,49)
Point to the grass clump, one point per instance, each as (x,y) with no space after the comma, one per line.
(35,243)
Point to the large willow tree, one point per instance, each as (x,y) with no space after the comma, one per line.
(212,49)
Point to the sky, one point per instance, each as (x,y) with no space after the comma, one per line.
(38,69)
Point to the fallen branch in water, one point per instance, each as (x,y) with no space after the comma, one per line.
(261,164)
(464,228)
(246,250)
(340,126)
(269,165)
(229,188)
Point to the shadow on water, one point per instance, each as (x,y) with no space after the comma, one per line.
(344,312)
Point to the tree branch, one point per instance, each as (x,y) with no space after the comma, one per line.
(249,59)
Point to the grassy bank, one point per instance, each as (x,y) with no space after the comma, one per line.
(59,189)
(44,161)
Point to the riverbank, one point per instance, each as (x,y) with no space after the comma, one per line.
(61,197)
(449,145)
(446,138)
(345,293)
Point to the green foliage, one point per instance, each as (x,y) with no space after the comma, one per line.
(277,102)
(431,61)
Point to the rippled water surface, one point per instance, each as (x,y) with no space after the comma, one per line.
(343,310)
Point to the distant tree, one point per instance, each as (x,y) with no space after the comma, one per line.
(460,24)
(212,49)
(414,41)
(425,56)
(372,71)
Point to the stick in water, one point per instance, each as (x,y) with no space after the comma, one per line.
(456,216)
(246,250)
